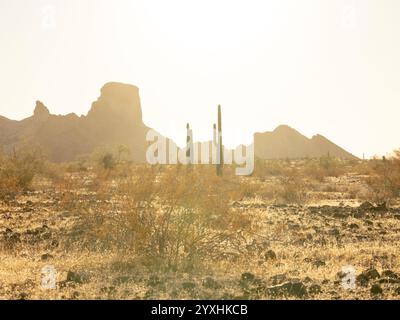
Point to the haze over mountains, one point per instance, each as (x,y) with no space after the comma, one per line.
(285,142)
(116,119)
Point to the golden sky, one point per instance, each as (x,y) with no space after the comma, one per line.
(321,66)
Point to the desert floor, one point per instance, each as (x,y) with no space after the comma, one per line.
(333,245)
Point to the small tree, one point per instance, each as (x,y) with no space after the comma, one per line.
(108,161)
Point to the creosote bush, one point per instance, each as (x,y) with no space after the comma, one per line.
(171,218)
(384,181)
(17,171)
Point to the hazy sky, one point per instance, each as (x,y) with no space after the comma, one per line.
(323,66)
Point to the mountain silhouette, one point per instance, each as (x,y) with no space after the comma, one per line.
(285,142)
(116,119)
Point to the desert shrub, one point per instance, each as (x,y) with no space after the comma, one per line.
(323,167)
(170,218)
(18,170)
(291,188)
(363,168)
(265,168)
(384,182)
(108,161)
(80,165)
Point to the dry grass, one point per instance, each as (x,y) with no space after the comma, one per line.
(145,232)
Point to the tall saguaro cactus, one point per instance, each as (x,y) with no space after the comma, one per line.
(188,144)
(220,147)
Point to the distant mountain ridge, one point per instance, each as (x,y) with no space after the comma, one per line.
(116,119)
(286,142)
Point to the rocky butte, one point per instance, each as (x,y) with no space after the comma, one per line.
(116,119)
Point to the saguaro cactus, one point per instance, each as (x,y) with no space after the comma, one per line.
(220,147)
(188,151)
(189,145)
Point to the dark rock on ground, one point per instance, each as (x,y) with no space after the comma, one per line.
(371,274)
(319,263)
(46,257)
(366,206)
(315,289)
(269,255)
(76,277)
(390,274)
(278,279)
(23,296)
(368,222)
(293,288)
(376,289)
(247,277)
(366,276)
(362,280)
(381,207)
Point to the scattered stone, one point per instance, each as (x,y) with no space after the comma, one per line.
(76,277)
(270,255)
(11,237)
(359,214)
(46,257)
(23,296)
(389,274)
(54,243)
(371,274)
(366,276)
(389,280)
(319,263)
(278,279)
(381,207)
(62,284)
(376,289)
(293,288)
(366,206)
(247,277)
(314,289)
(362,280)
(340,275)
